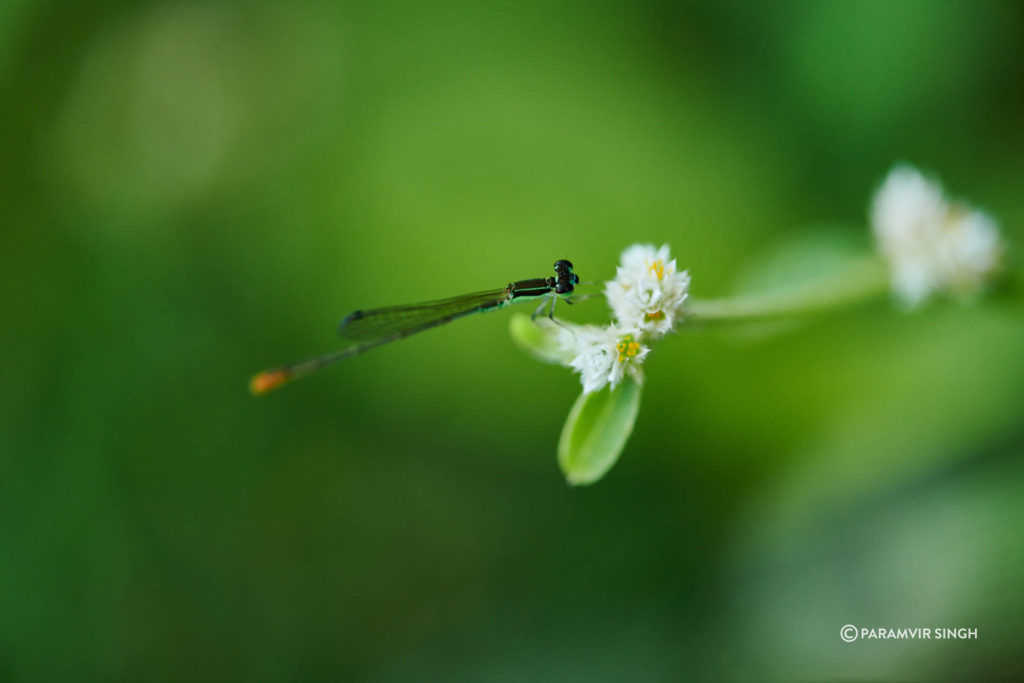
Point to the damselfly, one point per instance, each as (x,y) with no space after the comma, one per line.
(379,326)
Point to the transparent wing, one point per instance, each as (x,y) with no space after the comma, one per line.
(380,323)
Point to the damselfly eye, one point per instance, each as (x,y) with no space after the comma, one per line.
(575,279)
(563,265)
(563,288)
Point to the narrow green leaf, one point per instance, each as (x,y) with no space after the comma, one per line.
(596,431)
(807,273)
(539,339)
(802,259)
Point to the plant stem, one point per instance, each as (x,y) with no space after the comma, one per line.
(859,281)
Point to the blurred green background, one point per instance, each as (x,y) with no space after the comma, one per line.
(195,191)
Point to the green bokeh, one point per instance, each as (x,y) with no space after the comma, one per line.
(190,192)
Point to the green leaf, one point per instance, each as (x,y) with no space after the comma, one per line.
(807,273)
(596,431)
(804,258)
(539,339)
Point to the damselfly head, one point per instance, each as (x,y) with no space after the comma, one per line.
(566,280)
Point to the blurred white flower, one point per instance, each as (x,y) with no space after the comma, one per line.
(648,291)
(932,245)
(604,355)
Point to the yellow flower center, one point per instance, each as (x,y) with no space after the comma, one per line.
(657,315)
(658,268)
(627,348)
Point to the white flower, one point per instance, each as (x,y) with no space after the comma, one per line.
(932,245)
(648,291)
(604,355)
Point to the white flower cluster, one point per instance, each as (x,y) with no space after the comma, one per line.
(932,245)
(646,298)
(647,291)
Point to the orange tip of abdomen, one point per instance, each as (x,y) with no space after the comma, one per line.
(267,381)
